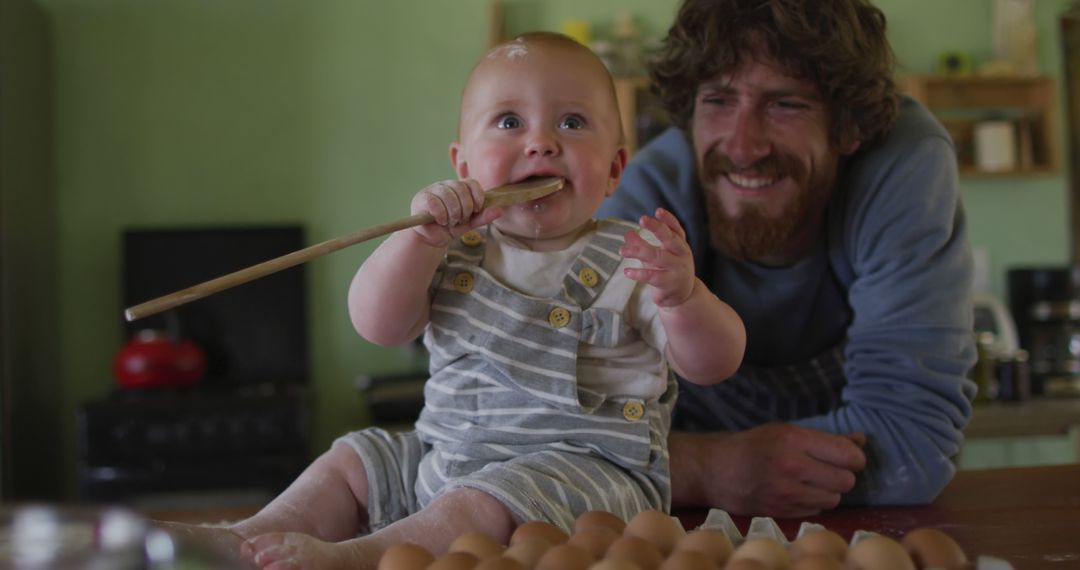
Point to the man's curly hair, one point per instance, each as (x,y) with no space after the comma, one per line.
(838,45)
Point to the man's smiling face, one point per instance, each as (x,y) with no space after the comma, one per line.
(764,158)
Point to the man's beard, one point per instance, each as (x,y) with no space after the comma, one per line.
(752,234)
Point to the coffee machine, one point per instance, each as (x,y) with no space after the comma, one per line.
(1045,304)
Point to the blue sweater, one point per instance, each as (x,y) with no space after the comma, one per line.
(871,332)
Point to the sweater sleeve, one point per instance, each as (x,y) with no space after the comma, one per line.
(910,344)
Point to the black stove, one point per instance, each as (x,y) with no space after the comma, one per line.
(140,443)
(244,426)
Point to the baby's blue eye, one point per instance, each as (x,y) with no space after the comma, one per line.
(572,122)
(508,122)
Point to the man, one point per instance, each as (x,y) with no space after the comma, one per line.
(823,208)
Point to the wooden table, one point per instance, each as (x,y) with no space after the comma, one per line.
(1029,516)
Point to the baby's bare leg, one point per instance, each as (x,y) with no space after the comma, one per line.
(435,527)
(327,501)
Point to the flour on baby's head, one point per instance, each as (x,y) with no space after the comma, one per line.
(511,50)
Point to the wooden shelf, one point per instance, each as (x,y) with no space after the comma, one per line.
(972,171)
(963,104)
(642,115)
(1034,417)
(960,103)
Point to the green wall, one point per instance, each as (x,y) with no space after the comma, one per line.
(328,113)
(332,113)
(1017,221)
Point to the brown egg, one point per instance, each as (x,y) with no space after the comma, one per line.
(478,544)
(819,542)
(594,539)
(713,543)
(499,563)
(565,557)
(539,529)
(454,561)
(688,560)
(405,556)
(657,527)
(745,564)
(817,562)
(765,550)
(929,547)
(600,518)
(878,553)
(636,551)
(527,551)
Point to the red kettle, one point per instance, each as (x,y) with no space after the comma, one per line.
(151,359)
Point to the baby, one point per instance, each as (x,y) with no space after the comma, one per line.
(551,335)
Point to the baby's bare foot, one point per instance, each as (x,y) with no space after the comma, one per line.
(297,551)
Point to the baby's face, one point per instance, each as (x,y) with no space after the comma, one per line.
(542,110)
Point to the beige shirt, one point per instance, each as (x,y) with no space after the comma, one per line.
(637,369)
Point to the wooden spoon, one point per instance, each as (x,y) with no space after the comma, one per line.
(496,197)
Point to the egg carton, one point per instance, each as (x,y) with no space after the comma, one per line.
(766,527)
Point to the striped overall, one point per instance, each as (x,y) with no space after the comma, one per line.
(503,410)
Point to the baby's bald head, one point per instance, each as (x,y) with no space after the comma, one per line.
(546,53)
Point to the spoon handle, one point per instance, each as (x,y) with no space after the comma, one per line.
(496,197)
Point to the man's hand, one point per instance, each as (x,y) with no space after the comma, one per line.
(777,470)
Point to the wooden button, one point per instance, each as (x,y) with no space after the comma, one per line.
(559,317)
(633,410)
(463,282)
(589,277)
(472,238)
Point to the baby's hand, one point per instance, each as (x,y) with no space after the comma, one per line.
(668,267)
(456,205)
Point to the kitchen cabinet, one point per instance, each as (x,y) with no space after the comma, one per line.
(1000,125)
